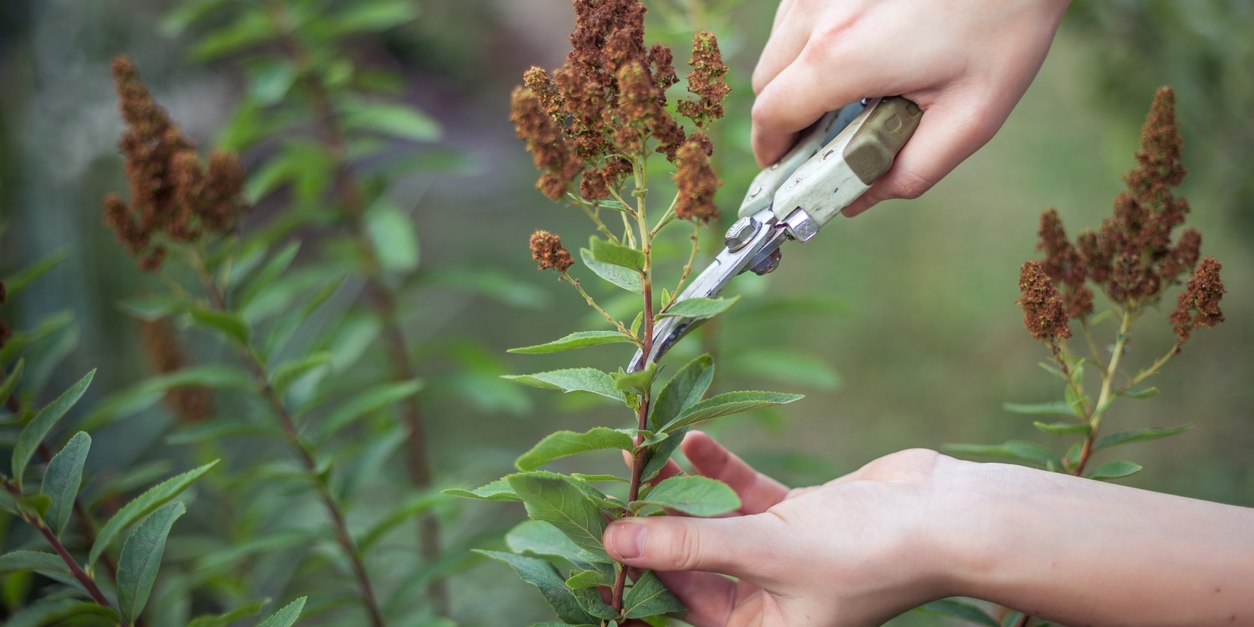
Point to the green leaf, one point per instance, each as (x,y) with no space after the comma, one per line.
(588,579)
(542,575)
(1052,408)
(375,16)
(395,120)
(368,402)
(599,478)
(229,323)
(960,610)
(557,499)
(52,611)
(141,558)
(659,455)
(693,495)
(251,608)
(413,507)
(1139,392)
(578,339)
(565,443)
(541,538)
(616,254)
(146,394)
(639,382)
(143,505)
(590,601)
(152,307)
(11,381)
(250,29)
(699,308)
(271,81)
(622,277)
(1113,469)
(1141,435)
(1064,428)
(392,233)
(35,432)
(1014,449)
(273,269)
(185,14)
(726,404)
(62,480)
(498,490)
(649,597)
(290,371)
(684,390)
(18,281)
(286,616)
(36,561)
(571,380)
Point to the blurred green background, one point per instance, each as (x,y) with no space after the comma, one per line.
(912,304)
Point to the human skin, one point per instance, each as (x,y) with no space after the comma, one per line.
(965,62)
(917,526)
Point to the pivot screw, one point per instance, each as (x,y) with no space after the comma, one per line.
(741,232)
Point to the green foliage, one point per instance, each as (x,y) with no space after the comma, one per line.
(62,480)
(578,339)
(692,495)
(141,558)
(565,443)
(35,432)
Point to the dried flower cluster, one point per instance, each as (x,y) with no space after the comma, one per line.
(1132,257)
(597,113)
(1198,305)
(172,194)
(165,356)
(1044,313)
(547,250)
(5,333)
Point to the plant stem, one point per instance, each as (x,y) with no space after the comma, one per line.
(380,296)
(1088,337)
(81,575)
(1108,378)
(310,462)
(592,303)
(692,257)
(642,411)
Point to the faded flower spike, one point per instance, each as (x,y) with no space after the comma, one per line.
(171,192)
(1043,312)
(1198,304)
(547,250)
(706,81)
(1063,265)
(696,182)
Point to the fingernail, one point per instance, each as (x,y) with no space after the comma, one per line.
(628,539)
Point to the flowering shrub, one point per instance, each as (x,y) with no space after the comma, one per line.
(591,127)
(1134,258)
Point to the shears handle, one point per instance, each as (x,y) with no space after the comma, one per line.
(828,170)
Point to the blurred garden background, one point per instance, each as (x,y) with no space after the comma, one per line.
(900,326)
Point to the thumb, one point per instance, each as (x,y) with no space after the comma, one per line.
(742,547)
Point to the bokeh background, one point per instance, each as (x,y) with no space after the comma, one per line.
(911,306)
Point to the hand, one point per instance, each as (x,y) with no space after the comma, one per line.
(966,64)
(846,553)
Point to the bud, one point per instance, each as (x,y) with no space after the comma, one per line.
(1043,312)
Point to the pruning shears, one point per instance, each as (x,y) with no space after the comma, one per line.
(836,161)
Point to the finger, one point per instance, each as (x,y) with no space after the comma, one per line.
(788,38)
(951,130)
(708,597)
(757,491)
(740,547)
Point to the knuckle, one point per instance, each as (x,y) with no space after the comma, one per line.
(685,546)
(909,186)
(762,114)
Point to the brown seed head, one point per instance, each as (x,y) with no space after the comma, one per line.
(1198,305)
(706,81)
(172,195)
(1063,265)
(165,356)
(547,250)
(1043,311)
(696,183)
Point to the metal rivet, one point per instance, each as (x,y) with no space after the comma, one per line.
(828,154)
(741,232)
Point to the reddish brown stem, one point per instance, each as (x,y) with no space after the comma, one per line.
(379,295)
(310,462)
(88,583)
